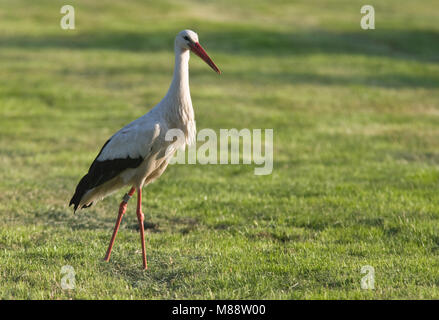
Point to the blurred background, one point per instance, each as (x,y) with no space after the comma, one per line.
(356,149)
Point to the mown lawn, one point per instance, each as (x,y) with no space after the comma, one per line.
(356,150)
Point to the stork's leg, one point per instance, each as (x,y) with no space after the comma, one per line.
(122,209)
(140,218)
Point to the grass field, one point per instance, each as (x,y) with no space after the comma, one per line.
(355,182)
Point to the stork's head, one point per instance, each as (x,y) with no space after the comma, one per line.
(188,40)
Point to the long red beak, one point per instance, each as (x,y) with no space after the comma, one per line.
(199,51)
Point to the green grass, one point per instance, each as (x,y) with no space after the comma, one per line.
(356,150)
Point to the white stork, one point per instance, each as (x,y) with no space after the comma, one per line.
(138,153)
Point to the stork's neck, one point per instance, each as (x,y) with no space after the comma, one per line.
(177,103)
(179,89)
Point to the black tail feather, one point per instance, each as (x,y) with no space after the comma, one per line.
(101,172)
(81,189)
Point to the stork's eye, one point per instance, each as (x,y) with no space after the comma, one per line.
(186,38)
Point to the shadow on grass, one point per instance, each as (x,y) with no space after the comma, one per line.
(78,221)
(409,45)
(92,221)
(163,274)
(420,45)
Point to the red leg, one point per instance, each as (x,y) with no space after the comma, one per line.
(122,209)
(140,218)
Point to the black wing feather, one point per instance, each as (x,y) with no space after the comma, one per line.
(101,172)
